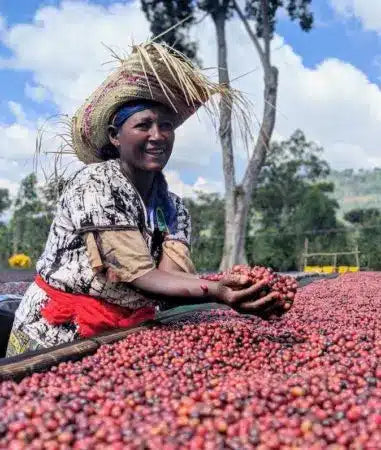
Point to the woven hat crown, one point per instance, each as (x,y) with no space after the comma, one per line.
(152,72)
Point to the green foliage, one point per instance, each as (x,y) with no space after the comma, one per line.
(207,213)
(357,189)
(162,15)
(28,224)
(362,216)
(31,219)
(294,203)
(5,244)
(369,242)
(296,9)
(215,7)
(5,201)
(290,166)
(368,224)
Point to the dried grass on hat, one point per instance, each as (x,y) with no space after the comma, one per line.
(152,72)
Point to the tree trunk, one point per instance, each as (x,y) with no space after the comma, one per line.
(16,237)
(256,162)
(225,133)
(238,198)
(235,234)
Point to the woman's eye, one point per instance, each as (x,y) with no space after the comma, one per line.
(166,126)
(143,125)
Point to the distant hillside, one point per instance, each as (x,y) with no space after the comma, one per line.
(357,189)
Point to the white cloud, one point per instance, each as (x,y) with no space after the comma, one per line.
(36,93)
(63,46)
(177,186)
(368,12)
(182,189)
(17,141)
(333,103)
(204,185)
(337,106)
(17,110)
(3,26)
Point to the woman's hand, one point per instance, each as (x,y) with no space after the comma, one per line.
(234,290)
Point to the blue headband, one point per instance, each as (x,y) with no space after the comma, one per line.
(127,111)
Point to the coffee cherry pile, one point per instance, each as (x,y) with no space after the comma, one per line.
(14,288)
(284,286)
(219,380)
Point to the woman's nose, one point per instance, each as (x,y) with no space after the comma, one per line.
(155,132)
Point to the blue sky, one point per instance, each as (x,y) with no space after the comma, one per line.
(343,45)
(331,37)
(334,37)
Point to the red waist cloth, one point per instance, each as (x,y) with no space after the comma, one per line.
(90,314)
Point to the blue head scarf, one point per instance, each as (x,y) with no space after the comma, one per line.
(128,110)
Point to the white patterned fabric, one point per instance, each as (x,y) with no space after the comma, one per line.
(98,197)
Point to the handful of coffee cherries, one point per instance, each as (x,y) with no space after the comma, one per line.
(282,287)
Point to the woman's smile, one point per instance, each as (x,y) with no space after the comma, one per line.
(156,151)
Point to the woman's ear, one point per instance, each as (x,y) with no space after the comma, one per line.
(113,135)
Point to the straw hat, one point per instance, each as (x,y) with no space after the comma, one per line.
(152,72)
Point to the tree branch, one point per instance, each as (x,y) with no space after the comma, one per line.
(259,154)
(266,31)
(251,34)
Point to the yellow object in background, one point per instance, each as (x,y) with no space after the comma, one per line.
(330,269)
(310,269)
(20,260)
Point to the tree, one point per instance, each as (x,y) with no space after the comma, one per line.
(50,193)
(368,224)
(291,165)
(5,201)
(30,221)
(259,19)
(293,202)
(361,216)
(207,213)
(163,15)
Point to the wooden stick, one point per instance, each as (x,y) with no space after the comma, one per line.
(20,366)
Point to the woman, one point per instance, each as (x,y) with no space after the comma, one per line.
(120,240)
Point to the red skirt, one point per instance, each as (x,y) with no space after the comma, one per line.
(91,315)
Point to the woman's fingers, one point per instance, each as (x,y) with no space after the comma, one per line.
(235,280)
(260,304)
(250,291)
(252,299)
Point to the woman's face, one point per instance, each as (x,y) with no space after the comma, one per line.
(145,140)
